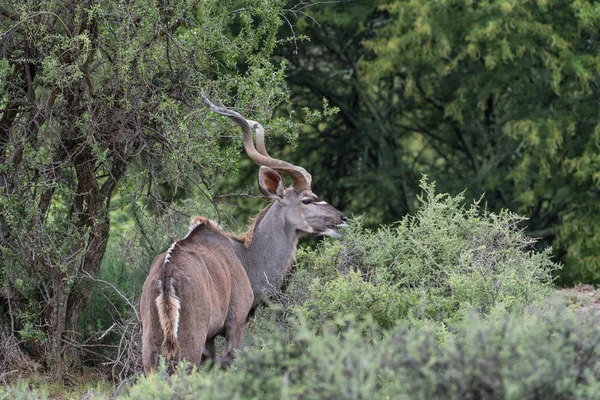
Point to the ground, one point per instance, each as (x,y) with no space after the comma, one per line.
(585,297)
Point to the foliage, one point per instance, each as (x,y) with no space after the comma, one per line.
(497,97)
(435,265)
(548,352)
(458,290)
(103,97)
(100,110)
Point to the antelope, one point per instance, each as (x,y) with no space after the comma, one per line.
(208,283)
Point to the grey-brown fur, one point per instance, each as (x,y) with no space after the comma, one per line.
(206,284)
(213,290)
(269,257)
(219,277)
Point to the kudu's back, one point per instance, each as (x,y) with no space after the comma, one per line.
(194,292)
(199,289)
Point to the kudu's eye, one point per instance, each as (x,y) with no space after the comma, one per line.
(306,201)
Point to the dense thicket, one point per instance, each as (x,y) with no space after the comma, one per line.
(547,353)
(498,97)
(448,303)
(100,97)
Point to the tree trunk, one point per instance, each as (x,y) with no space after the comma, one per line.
(57,322)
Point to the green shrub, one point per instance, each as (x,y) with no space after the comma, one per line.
(445,260)
(548,351)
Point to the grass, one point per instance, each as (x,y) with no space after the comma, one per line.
(72,386)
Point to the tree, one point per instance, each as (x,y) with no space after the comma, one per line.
(497,97)
(100,96)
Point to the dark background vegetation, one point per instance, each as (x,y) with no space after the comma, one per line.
(106,151)
(498,98)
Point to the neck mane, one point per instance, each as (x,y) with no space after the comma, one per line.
(267,251)
(246,237)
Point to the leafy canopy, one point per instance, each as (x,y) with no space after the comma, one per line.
(498,97)
(103,97)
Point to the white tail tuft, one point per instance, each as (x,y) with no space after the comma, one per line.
(169,308)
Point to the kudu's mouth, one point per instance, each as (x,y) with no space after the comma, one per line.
(333,230)
(326,226)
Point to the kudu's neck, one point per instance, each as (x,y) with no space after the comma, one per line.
(268,259)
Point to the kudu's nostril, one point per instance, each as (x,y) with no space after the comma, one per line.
(344,219)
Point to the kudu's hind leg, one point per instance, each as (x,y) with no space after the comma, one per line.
(152,337)
(209,353)
(150,355)
(192,348)
(233,341)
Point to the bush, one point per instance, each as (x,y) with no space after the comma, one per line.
(547,352)
(445,260)
(445,304)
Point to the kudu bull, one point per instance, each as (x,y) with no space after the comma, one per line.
(206,284)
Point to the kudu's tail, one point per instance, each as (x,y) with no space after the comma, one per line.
(168,306)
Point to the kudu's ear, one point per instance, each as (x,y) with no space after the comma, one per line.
(270,183)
